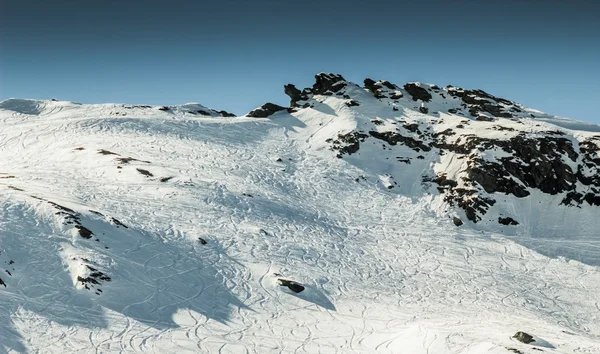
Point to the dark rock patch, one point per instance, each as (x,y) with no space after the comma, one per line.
(292,285)
(265,110)
(106,152)
(348,143)
(202,241)
(126,160)
(226,114)
(165,179)
(84,232)
(117,222)
(352,103)
(508,221)
(417,92)
(523,337)
(328,84)
(394,138)
(457,221)
(145,172)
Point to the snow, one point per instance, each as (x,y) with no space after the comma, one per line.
(384,269)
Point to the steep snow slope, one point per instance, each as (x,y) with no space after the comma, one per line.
(150,229)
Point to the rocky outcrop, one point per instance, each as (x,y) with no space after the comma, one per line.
(328,84)
(295,94)
(478,101)
(265,110)
(417,92)
(383,89)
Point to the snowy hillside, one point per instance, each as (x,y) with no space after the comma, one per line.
(411,219)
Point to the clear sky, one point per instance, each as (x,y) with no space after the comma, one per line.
(236,55)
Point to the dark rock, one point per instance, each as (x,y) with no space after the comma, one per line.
(524,337)
(226,114)
(292,285)
(144,172)
(457,221)
(508,221)
(118,223)
(423,109)
(294,93)
(484,119)
(328,84)
(202,241)
(417,92)
(394,138)
(348,143)
(165,179)
(352,103)
(106,152)
(84,232)
(381,89)
(265,110)
(164,108)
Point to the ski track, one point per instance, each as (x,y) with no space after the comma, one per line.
(381,275)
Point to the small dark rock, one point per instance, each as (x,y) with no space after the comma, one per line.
(523,337)
(144,172)
(457,221)
(202,241)
(292,285)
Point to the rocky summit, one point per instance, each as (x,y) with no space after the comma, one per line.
(359,218)
(472,149)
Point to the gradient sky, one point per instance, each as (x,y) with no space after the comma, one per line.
(236,55)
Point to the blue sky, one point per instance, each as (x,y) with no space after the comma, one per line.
(236,55)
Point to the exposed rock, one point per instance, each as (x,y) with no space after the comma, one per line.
(144,172)
(508,221)
(226,114)
(394,138)
(348,143)
(265,110)
(84,231)
(417,92)
(457,221)
(292,285)
(524,337)
(383,89)
(328,84)
(294,93)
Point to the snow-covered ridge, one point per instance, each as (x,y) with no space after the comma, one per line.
(30,107)
(326,226)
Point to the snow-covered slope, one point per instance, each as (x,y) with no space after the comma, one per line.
(130,228)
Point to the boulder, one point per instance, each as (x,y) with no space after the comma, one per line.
(292,285)
(523,337)
(457,221)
